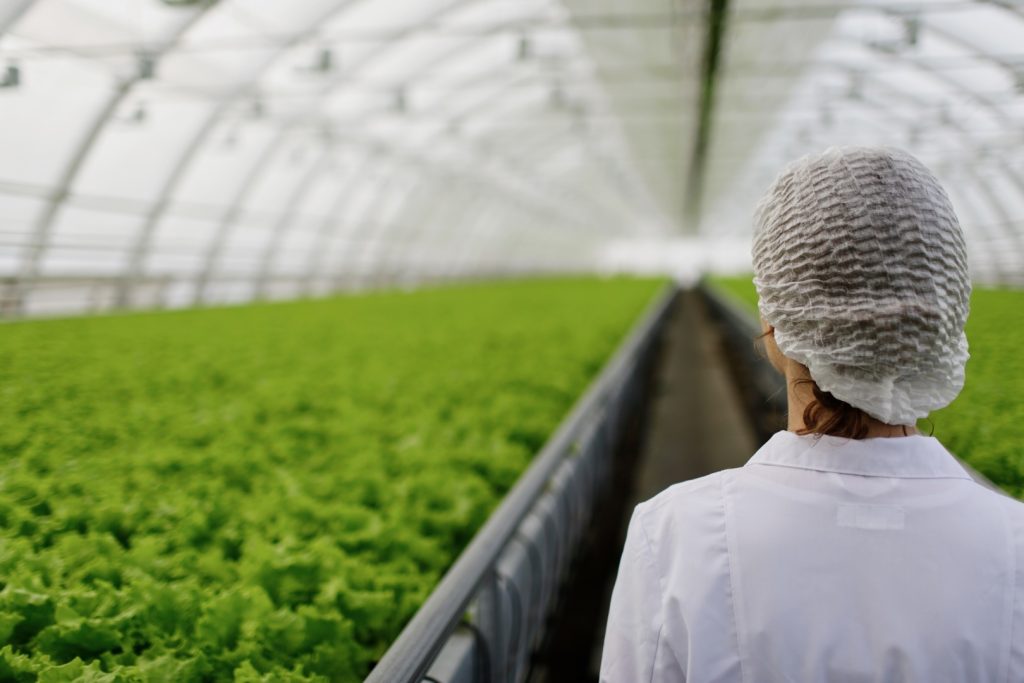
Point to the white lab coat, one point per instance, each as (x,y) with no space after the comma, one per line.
(823,559)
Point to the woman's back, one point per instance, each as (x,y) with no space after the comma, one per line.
(823,559)
(849,548)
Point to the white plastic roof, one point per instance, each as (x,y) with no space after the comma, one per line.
(172,153)
(943,79)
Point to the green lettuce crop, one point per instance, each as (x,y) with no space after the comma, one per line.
(268,492)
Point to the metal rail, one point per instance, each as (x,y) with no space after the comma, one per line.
(740,329)
(593,424)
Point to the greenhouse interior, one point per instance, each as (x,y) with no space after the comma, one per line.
(339,339)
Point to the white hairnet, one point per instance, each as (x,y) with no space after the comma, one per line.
(861,268)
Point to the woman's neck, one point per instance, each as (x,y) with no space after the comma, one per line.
(799,396)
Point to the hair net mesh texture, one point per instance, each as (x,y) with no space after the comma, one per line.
(861,268)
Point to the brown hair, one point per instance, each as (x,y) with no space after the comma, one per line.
(826,414)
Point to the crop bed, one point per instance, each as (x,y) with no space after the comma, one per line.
(268,492)
(985,424)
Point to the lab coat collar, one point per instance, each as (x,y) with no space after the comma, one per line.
(915,456)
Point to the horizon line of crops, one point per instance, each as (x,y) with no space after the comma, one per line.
(268,492)
(985,424)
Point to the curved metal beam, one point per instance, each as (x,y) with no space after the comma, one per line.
(521,173)
(597,203)
(473,246)
(256,171)
(12,13)
(343,273)
(483,103)
(454,188)
(160,206)
(189,152)
(231,215)
(400,246)
(400,235)
(406,158)
(407,233)
(477,250)
(217,244)
(277,233)
(43,227)
(473,250)
(326,231)
(518,173)
(995,271)
(399,239)
(253,174)
(422,210)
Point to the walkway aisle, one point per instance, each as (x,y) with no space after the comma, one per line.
(696,423)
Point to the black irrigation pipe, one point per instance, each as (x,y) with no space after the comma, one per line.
(419,643)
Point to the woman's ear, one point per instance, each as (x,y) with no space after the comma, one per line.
(771,349)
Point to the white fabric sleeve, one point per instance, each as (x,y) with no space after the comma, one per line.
(635,617)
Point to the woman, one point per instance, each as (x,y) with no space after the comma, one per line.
(850,547)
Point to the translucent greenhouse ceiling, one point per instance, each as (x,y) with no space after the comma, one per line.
(162,153)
